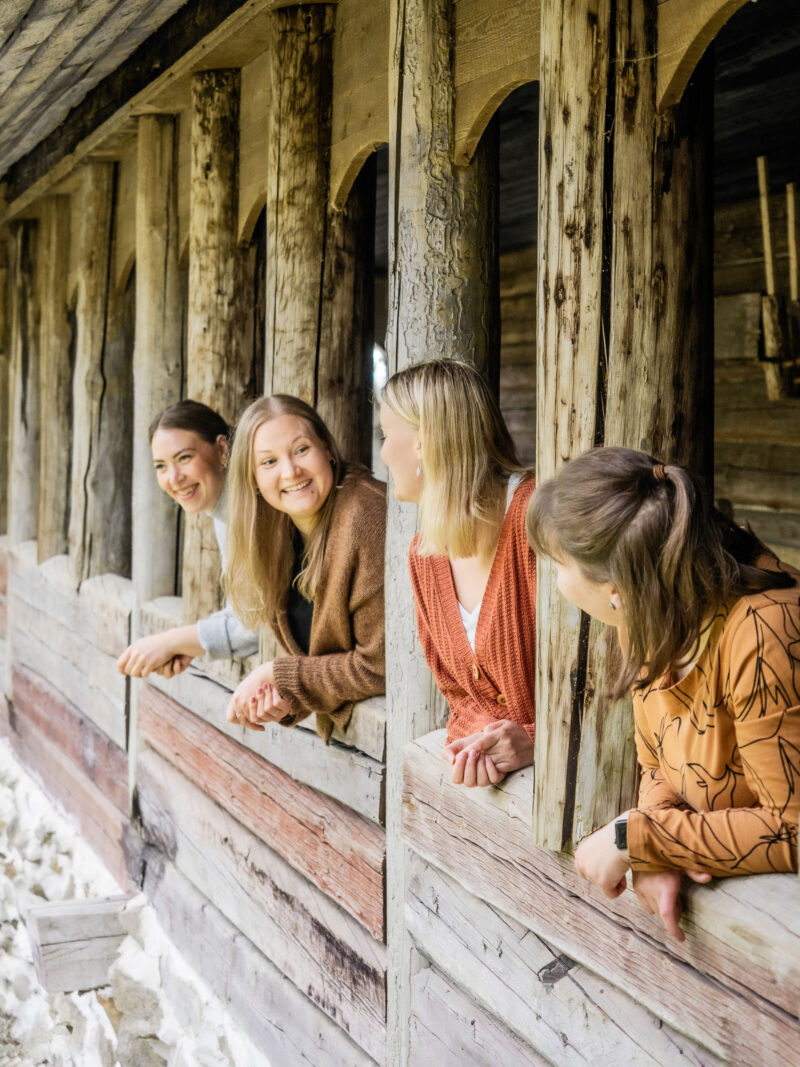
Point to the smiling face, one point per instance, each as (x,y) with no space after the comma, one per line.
(292,468)
(595,598)
(402,454)
(188,468)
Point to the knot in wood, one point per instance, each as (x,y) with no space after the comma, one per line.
(560,292)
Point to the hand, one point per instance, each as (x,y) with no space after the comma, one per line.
(177,665)
(148,654)
(598,859)
(659,894)
(244,704)
(486,757)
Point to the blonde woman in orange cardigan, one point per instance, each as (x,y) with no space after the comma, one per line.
(473,574)
(305,558)
(709,625)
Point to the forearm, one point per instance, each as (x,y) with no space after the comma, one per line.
(323,685)
(185,641)
(222,636)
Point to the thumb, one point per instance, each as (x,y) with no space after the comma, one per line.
(698,876)
(495,725)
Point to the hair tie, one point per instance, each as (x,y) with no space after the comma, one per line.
(659,472)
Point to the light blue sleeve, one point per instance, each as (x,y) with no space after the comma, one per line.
(221,634)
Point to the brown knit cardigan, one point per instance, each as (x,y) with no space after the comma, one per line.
(346,654)
(496,681)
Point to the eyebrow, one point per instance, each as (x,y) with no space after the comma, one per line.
(267,451)
(180,452)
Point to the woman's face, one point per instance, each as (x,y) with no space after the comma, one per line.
(190,469)
(595,598)
(402,454)
(292,468)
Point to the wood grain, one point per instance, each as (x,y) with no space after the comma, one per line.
(333,847)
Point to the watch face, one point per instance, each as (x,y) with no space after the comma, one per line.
(621,834)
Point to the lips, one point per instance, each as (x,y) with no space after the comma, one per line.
(297,488)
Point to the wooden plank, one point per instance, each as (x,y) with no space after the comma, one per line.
(568,1015)
(310,939)
(482,839)
(684,33)
(99,821)
(55,381)
(75,735)
(449,1029)
(5,380)
(279,1020)
(765,475)
(337,850)
(737,327)
(779,530)
(40,22)
(744,415)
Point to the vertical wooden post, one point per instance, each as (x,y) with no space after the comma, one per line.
(55,384)
(625,345)
(441,303)
(23,465)
(100,511)
(157,359)
(217,366)
(5,381)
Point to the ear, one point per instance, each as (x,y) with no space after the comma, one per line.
(223,449)
(615,599)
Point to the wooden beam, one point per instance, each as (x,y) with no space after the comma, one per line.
(280,1021)
(23,392)
(730,987)
(157,357)
(5,379)
(685,30)
(74,942)
(55,382)
(338,851)
(317,946)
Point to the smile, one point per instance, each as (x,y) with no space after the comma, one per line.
(186,494)
(297,488)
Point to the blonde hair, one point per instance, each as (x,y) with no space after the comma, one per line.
(260,539)
(467,452)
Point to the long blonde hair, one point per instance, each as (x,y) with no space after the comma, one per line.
(260,539)
(467,452)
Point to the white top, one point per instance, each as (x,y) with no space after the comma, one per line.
(470,618)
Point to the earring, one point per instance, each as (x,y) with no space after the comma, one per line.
(419,469)
(612,605)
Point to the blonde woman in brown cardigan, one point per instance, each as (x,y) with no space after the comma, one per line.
(305,557)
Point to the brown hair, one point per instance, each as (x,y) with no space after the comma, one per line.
(652,531)
(193,416)
(260,539)
(467,451)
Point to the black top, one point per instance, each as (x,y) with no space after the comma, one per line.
(299,610)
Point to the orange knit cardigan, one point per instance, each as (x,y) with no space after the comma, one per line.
(496,681)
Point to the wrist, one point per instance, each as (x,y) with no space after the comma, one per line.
(621,833)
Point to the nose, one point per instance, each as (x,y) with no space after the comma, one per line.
(174,475)
(289,467)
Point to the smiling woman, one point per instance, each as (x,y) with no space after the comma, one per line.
(189,442)
(306,543)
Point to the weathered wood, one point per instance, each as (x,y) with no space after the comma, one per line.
(99,820)
(75,735)
(766,229)
(567,1014)
(217,367)
(744,415)
(449,1030)
(684,33)
(23,390)
(99,526)
(737,329)
(157,357)
(55,380)
(74,942)
(518,348)
(5,380)
(739,249)
(761,474)
(337,850)
(791,240)
(731,986)
(279,1020)
(310,939)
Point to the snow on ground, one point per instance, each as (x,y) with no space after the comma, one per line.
(42,858)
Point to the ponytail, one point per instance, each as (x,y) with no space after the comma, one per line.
(652,531)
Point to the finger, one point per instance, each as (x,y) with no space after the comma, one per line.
(669,910)
(470,770)
(482,775)
(699,876)
(496,725)
(495,776)
(253,726)
(452,750)
(460,761)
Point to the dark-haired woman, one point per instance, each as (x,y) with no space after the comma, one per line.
(189,442)
(709,626)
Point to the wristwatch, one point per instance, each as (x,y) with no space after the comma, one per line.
(621,832)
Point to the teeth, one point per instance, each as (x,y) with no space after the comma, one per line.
(297,488)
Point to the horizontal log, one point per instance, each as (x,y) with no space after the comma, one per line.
(342,853)
(341,773)
(765,475)
(76,736)
(100,612)
(567,1014)
(744,415)
(87,677)
(449,1029)
(779,530)
(366,730)
(280,1020)
(482,838)
(100,822)
(316,944)
(737,327)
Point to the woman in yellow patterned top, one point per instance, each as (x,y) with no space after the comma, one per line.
(709,626)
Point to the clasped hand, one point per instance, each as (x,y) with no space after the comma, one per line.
(256,700)
(486,757)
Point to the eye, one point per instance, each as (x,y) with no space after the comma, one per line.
(266,462)
(303,449)
(185,457)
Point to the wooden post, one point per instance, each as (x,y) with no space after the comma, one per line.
(100,512)
(441,303)
(625,345)
(5,381)
(157,359)
(23,393)
(217,367)
(55,384)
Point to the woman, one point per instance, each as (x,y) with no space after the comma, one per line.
(189,442)
(449,451)
(709,626)
(306,537)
